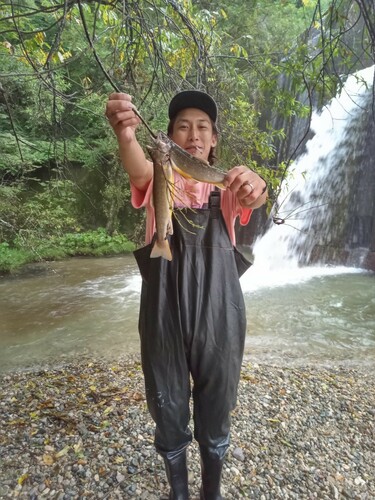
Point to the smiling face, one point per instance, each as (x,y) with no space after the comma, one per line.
(193,131)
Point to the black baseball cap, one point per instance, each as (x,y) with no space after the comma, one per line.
(193,99)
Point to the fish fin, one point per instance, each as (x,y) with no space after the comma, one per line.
(180,171)
(161,249)
(177,169)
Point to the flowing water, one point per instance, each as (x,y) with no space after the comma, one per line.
(55,311)
(296,315)
(316,196)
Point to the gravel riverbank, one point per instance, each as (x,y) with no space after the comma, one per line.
(82,431)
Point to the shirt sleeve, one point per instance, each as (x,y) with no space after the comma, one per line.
(140,198)
(245,215)
(231,210)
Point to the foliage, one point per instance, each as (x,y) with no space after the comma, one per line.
(97,242)
(266,63)
(33,216)
(12,258)
(91,243)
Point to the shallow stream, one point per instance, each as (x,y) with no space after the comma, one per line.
(89,306)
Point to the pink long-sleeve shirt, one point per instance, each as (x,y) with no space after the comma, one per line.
(191,194)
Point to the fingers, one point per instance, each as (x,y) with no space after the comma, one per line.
(120,111)
(120,96)
(245,184)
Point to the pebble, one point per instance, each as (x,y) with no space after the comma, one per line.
(82,430)
(238,454)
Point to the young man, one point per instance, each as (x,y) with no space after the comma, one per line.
(192,315)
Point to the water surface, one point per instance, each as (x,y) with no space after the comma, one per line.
(89,306)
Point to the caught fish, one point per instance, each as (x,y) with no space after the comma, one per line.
(163,199)
(189,166)
(167,156)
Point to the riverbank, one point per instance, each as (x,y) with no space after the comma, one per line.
(82,430)
(16,259)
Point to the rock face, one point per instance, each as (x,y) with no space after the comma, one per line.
(350,237)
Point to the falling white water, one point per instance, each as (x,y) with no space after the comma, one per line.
(302,198)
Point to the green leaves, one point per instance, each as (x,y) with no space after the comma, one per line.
(264,62)
(91,243)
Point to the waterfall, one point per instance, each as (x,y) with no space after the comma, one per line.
(322,187)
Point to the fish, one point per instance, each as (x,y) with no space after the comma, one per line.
(163,199)
(167,156)
(190,166)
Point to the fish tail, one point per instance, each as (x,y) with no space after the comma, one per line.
(161,249)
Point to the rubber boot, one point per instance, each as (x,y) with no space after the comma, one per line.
(211,468)
(177,474)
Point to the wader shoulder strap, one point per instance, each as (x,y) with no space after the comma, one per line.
(214,203)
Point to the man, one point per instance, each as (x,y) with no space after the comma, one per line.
(192,315)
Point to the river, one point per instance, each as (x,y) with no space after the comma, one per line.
(53,312)
(296,315)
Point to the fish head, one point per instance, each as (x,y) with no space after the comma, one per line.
(163,142)
(160,150)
